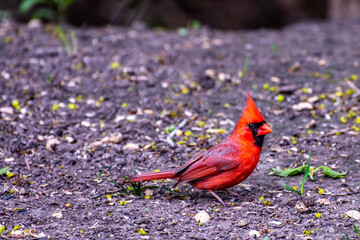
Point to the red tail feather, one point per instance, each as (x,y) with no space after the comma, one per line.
(152,176)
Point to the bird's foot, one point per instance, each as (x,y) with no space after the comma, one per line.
(240,197)
(217,197)
(232,193)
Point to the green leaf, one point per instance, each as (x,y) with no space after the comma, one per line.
(306,174)
(311,173)
(4,170)
(169,129)
(356,229)
(196,24)
(64,4)
(44,13)
(331,173)
(287,187)
(26,5)
(288,171)
(118,184)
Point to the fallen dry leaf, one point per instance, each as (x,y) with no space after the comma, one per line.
(50,144)
(300,207)
(323,201)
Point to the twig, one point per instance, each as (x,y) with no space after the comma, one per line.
(333,132)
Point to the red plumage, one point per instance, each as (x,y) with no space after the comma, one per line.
(226,164)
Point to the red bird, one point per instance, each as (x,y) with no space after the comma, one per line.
(226,164)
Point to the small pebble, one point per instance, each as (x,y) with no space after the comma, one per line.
(202,217)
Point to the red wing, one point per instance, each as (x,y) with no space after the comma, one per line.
(189,163)
(217,159)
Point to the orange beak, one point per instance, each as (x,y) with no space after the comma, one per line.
(264,129)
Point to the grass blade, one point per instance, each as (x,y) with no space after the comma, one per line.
(246,64)
(287,187)
(118,184)
(64,39)
(101,172)
(356,229)
(74,41)
(138,190)
(133,168)
(306,174)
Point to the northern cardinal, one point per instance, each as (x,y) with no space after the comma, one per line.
(226,164)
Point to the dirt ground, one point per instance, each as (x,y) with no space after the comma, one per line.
(109,103)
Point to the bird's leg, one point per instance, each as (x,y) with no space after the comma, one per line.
(217,197)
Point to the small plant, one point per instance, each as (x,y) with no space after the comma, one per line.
(137,189)
(195,24)
(293,171)
(70,50)
(245,67)
(307,170)
(273,48)
(53,10)
(101,172)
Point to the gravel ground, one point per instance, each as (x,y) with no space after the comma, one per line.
(74,118)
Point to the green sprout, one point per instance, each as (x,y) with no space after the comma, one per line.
(137,189)
(245,67)
(48,79)
(196,24)
(70,50)
(273,48)
(101,172)
(308,171)
(169,129)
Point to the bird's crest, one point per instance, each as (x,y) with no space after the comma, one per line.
(250,114)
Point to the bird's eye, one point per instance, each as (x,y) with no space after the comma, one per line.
(251,125)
